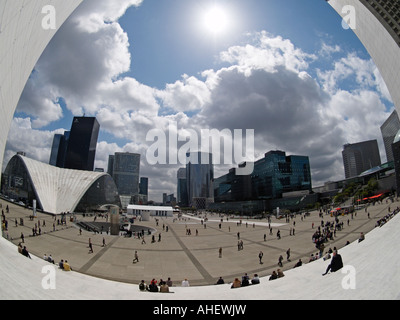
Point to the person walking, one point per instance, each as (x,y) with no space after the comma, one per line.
(90,246)
(260,256)
(220,252)
(288,254)
(136,258)
(280,261)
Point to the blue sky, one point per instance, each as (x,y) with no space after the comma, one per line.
(167,41)
(286,69)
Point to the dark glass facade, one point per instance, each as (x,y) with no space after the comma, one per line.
(102,192)
(396,160)
(59,150)
(360,157)
(389,130)
(182,194)
(144,186)
(273,175)
(199,178)
(126,173)
(81,150)
(16,183)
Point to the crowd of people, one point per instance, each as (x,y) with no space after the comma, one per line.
(162,286)
(387,217)
(323,234)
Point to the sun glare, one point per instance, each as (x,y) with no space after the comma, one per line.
(216,20)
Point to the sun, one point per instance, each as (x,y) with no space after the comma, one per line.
(216,20)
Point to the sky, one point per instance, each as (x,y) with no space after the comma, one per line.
(286,69)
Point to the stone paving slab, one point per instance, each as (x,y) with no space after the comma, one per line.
(179,255)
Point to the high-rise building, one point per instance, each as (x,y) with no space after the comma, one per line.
(110,167)
(276,174)
(273,176)
(389,130)
(144,186)
(82,143)
(59,149)
(182,195)
(54,149)
(360,157)
(396,159)
(199,178)
(126,173)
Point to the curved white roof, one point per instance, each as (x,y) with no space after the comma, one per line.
(59,190)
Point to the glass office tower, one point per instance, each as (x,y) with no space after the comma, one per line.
(59,149)
(360,157)
(277,173)
(182,195)
(81,150)
(389,130)
(126,173)
(199,177)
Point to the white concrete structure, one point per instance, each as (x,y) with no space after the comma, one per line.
(149,211)
(370,273)
(380,44)
(59,190)
(22,42)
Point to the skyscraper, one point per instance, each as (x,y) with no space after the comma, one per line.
(81,150)
(59,149)
(110,167)
(144,186)
(389,130)
(199,178)
(126,173)
(360,157)
(182,195)
(396,159)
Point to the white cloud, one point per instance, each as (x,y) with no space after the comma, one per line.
(265,85)
(188,94)
(23,137)
(269,53)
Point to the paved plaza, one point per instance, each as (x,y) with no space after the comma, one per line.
(181,255)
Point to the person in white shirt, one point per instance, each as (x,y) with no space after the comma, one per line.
(185,283)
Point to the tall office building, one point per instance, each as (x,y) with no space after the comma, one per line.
(360,157)
(276,174)
(144,186)
(199,178)
(110,166)
(82,143)
(126,173)
(389,130)
(182,195)
(59,150)
(273,176)
(396,159)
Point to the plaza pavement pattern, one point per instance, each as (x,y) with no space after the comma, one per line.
(108,272)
